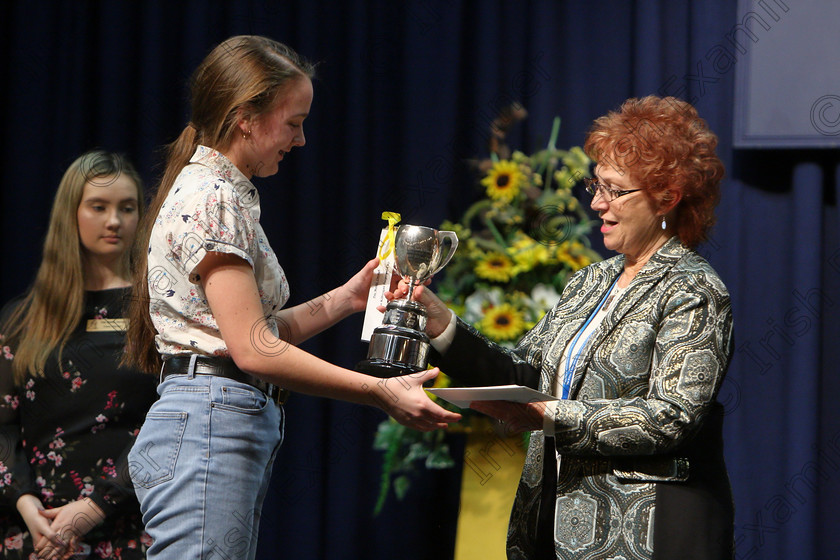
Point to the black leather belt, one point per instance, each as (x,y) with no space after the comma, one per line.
(221,367)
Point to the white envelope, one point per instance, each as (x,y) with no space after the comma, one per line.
(380,283)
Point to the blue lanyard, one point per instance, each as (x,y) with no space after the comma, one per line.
(574,353)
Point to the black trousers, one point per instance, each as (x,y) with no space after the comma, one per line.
(545,531)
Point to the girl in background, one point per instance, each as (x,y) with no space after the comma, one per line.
(68,412)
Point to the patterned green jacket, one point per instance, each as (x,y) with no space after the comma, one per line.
(639,439)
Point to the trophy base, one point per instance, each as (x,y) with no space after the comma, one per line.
(378,367)
(395,351)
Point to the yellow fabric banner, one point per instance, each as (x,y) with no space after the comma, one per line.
(492,466)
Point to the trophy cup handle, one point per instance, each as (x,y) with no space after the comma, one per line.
(453,244)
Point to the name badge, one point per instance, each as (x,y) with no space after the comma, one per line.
(107,325)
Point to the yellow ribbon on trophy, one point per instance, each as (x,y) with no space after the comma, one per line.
(393,218)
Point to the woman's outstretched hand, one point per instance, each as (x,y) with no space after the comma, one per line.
(515,417)
(406,401)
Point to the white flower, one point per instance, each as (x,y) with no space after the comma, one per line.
(478,301)
(545,296)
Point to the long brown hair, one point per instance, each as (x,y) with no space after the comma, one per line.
(53,307)
(245,73)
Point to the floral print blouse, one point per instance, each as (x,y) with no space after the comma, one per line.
(212,207)
(66,435)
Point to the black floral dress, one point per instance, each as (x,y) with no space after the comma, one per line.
(66,435)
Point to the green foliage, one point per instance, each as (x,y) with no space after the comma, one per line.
(404,450)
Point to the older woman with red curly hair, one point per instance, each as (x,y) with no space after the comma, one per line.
(628,461)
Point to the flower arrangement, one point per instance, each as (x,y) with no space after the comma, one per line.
(518,244)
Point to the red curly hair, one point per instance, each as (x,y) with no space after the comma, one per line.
(668,151)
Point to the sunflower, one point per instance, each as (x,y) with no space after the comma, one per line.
(574,255)
(503,322)
(503,180)
(569,260)
(494,266)
(527,253)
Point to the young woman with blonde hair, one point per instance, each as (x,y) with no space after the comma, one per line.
(68,413)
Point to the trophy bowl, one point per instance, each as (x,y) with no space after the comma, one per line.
(400,345)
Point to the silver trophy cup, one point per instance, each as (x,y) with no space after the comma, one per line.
(400,345)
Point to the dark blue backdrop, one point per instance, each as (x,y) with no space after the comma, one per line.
(405,95)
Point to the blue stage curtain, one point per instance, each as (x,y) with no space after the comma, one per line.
(405,95)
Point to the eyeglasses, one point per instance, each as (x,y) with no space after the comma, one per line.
(594,187)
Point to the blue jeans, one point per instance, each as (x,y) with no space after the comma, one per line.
(201,466)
